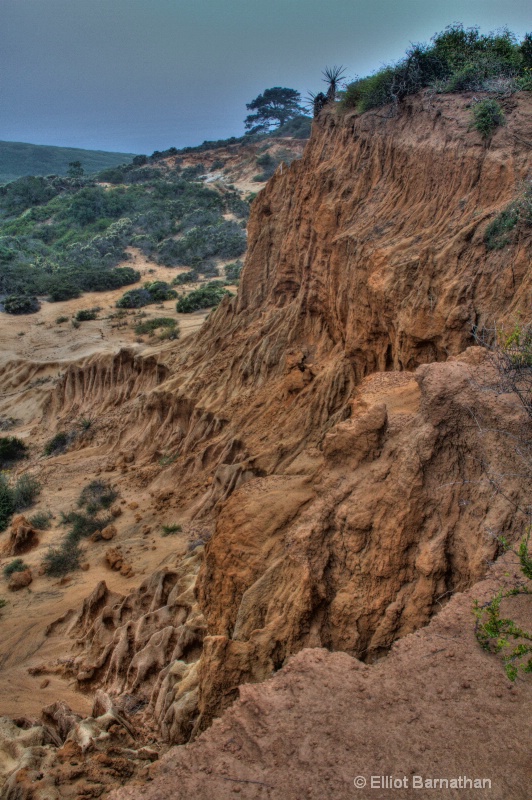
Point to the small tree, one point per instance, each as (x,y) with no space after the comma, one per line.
(273,108)
(75,170)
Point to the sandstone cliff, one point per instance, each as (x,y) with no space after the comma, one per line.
(333,422)
(325,416)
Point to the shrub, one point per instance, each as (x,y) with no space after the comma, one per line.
(24,492)
(21,304)
(233,270)
(60,320)
(86,314)
(17,565)
(7,507)
(42,520)
(60,289)
(84,524)
(486,117)
(205,297)
(168,530)
(496,234)
(58,443)
(61,560)
(456,60)
(3,603)
(152,325)
(97,495)
(160,291)
(11,449)
(135,298)
(185,277)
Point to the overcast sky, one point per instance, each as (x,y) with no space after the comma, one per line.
(144,75)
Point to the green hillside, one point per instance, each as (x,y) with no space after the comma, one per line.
(18,159)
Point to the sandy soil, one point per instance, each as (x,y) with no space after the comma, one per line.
(34,351)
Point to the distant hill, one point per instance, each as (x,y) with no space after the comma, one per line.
(18,159)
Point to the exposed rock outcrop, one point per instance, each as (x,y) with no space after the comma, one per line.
(331,417)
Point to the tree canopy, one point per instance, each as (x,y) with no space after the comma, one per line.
(273,108)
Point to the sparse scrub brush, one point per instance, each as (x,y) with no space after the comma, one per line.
(17,565)
(487,117)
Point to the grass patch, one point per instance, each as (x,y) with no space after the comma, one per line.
(168,530)
(87,314)
(41,521)
(496,234)
(17,565)
(25,491)
(97,495)
(61,560)
(151,325)
(16,496)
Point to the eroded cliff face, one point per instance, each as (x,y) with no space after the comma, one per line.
(328,418)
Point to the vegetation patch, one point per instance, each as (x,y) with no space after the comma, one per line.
(61,560)
(17,565)
(456,60)
(155,292)
(97,495)
(518,214)
(11,449)
(87,314)
(41,521)
(205,297)
(233,271)
(501,635)
(168,530)
(487,116)
(151,325)
(58,443)
(16,496)
(21,304)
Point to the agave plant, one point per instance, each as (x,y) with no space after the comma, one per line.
(314,102)
(333,76)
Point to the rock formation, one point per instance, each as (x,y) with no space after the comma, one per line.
(334,420)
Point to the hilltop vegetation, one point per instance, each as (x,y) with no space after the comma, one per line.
(60,237)
(457,60)
(18,159)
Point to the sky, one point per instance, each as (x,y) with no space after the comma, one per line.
(143,75)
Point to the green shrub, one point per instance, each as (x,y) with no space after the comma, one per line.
(233,270)
(61,560)
(205,297)
(487,115)
(83,524)
(41,521)
(168,530)
(3,603)
(21,304)
(185,277)
(11,449)
(7,507)
(17,565)
(60,289)
(60,320)
(25,490)
(458,59)
(86,314)
(496,234)
(135,298)
(97,495)
(58,443)
(152,325)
